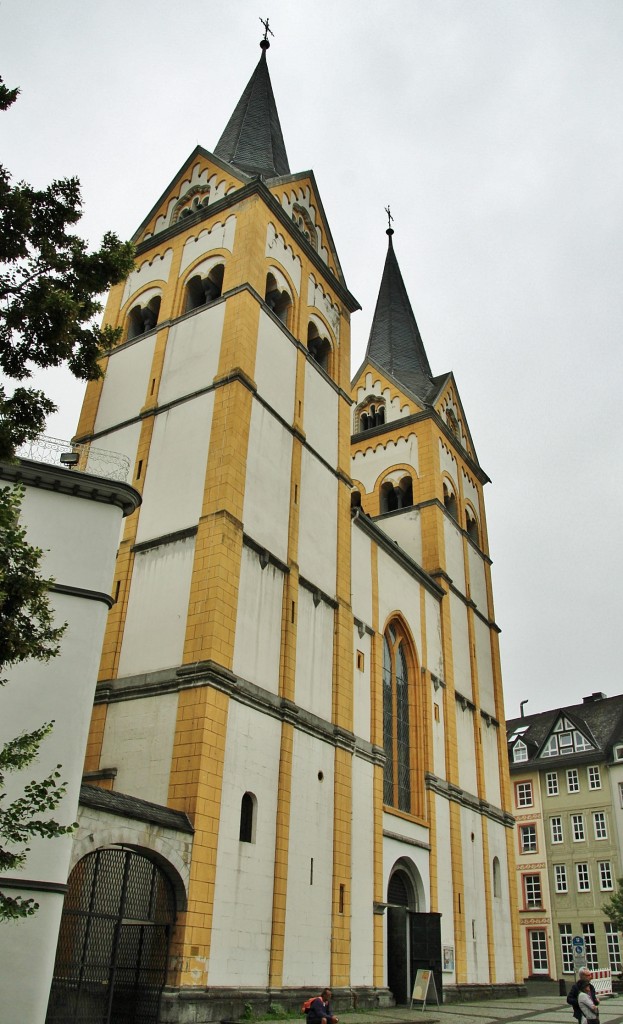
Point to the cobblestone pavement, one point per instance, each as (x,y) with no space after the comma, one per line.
(542,1009)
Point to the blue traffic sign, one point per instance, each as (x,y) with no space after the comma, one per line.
(578,942)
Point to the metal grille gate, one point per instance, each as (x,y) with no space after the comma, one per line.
(111,957)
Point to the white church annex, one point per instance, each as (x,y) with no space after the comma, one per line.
(296,773)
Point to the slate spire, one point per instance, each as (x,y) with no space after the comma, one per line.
(395,343)
(252,140)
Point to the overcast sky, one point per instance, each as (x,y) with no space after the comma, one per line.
(493,128)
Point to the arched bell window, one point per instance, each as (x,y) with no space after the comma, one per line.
(449,500)
(319,347)
(277,299)
(143,318)
(204,288)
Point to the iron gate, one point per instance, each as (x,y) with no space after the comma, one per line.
(113,942)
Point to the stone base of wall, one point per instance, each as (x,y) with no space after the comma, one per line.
(206,1006)
(470,993)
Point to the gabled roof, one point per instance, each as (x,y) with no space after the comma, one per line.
(598,718)
(252,139)
(395,344)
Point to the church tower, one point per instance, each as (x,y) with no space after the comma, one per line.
(417,478)
(296,724)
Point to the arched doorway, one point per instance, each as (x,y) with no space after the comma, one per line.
(113,942)
(413,937)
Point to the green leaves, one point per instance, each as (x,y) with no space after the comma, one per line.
(50,288)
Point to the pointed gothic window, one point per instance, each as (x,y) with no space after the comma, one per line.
(202,289)
(396,721)
(277,299)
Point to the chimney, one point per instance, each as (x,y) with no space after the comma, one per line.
(594,697)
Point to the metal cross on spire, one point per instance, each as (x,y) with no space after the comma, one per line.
(267,30)
(390,229)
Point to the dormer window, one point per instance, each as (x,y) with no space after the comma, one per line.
(278,299)
(617,752)
(565,739)
(205,288)
(520,752)
(143,318)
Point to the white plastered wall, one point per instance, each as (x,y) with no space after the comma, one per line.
(502,931)
(474,915)
(439,733)
(477,580)
(156,269)
(318,523)
(406,530)
(362,875)
(258,623)
(124,441)
(445,886)
(138,742)
(455,564)
(434,649)
(361,685)
(125,383)
(460,646)
(155,625)
(267,491)
(192,353)
(79,538)
(243,900)
(368,466)
(491,764)
(482,635)
(314,655)
(280,251)
(175,473)
(398,590)
(219,236)
(466,754)
(320,429)
(361,575)
(308,901)
(275,367)
(447,463)
(470,491)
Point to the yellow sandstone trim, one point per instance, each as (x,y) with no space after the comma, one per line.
(195,787)
(282,845)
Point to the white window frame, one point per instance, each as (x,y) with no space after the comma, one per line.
(531,847)
(594,776)
(566,948)
(600,825)
(520,752)
(606,883)
(560,878)
(614,947)
(583,877)
(523,791)
(534,885)
(552,783)
(538,951)
(577,827)
(556,830)
(573,780)
(590,945)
